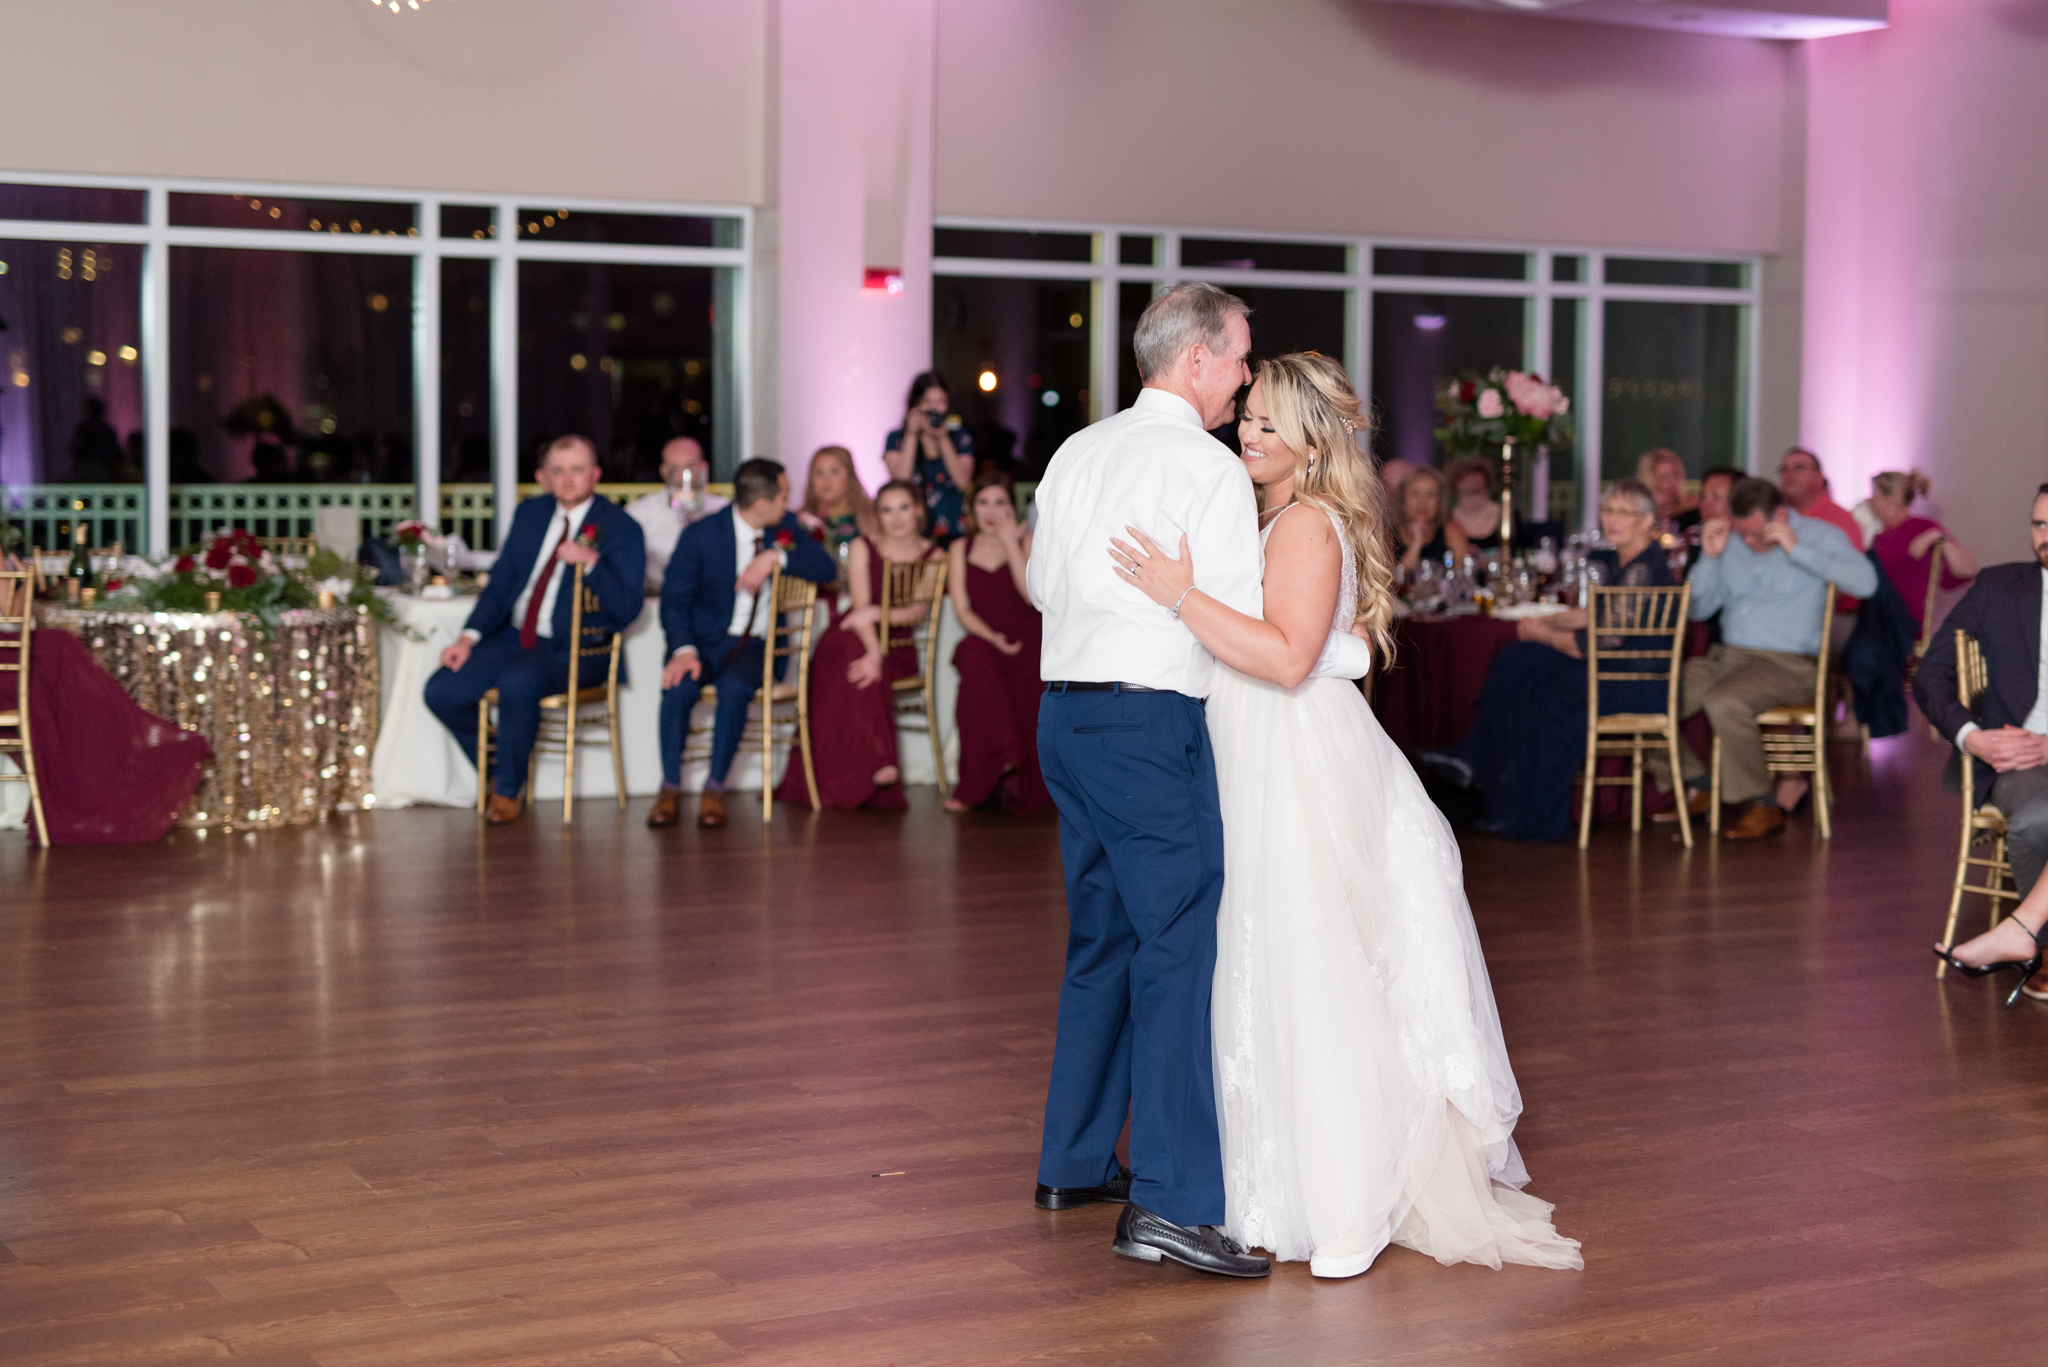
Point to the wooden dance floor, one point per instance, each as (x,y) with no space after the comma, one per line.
(396,1090)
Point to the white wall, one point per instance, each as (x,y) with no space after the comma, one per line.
(1347,116)
(1927,260)
(604,98)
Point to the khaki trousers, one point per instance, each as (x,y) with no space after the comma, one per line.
(1732,686)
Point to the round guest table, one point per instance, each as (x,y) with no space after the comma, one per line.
(291,713)
(1425,700)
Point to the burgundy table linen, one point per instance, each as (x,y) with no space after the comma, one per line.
(110,772)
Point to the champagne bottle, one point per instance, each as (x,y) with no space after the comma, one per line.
(80,567)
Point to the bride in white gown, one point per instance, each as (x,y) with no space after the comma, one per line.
(1363,1087)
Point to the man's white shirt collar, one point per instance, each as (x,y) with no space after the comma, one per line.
(1167,403)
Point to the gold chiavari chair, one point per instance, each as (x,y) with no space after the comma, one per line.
(784,702)
(1799,742)
(17,634)
(906,585)
(566,718)
(1636,636)
(288,545)
(1979,823)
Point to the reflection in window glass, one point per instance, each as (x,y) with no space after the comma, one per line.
(72,204)
(1468,265)
(1004,245)
(465,371)
(643,230)
(1247,255)
(70,363)
(290,367)
(336,217)
(1033,336)
(476,221)
(1418,339)
(1672,380)
(1720,275)
(626,355)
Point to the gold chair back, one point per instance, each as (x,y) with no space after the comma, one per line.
(1633,635)
(915,590)
(17,639)
(288,545)
(1979,823)
(778,703)
(1795,738)
(1927,623)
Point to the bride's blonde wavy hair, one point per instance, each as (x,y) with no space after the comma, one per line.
(1317,413)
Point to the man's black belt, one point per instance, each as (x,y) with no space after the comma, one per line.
(1079,686)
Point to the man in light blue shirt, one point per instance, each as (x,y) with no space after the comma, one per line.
(1765,569)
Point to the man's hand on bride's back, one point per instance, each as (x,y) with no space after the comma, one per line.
(1158,575)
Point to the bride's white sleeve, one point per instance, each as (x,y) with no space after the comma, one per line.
(1344,657)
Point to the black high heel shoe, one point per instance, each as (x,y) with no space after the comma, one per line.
(2027,967)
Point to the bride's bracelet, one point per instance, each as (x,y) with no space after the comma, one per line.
(1182,599)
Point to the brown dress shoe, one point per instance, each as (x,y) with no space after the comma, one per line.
(711,810)
(501,810)
(1696,801)
(1758,819)
(667,810)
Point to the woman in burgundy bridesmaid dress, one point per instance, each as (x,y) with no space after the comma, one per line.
(996,713)
(853,707)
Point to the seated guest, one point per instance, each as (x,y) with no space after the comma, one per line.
(517,636)
(1906,543)
(1805,487)
(1393,470)
(835,503)
(2009,733)
(1713,507)
(1766,571)
(1528,737)
(1662,470)
(996,713)
(717,626)
(853,706)
(934,453)
(107,772)
(688,498)
(1477,511)
(1421,532)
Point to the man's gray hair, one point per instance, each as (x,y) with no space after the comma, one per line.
(1189,314)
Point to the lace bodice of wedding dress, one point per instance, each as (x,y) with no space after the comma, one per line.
(1363,1085)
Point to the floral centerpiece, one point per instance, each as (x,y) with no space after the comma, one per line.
(415,536)
(1483,412)
(248,579)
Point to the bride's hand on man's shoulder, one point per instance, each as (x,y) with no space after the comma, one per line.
(1160,577)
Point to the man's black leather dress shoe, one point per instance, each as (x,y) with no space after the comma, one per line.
(1116,1191)
(1445,767)
(1142,1235)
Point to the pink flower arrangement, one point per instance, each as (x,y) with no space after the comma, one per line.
(1533,398)
(1480,413)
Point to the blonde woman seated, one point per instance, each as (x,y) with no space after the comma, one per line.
(853,708)
(1528,735)
(1905,546)
(1662,471)
(836,508)
(1421,531)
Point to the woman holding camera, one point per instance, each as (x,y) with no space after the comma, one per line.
(934,452)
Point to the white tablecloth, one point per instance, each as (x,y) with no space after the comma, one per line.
(418,761)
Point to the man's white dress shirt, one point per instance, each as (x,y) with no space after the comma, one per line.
(745,539)
(662,520)
(2037,716)
(1152,467)
(549,540)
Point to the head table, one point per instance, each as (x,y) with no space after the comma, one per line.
(291,714)
(418,760)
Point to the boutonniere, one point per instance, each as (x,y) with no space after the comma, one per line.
(782,540)
(587,536)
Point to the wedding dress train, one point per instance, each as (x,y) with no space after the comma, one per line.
(1363,1087)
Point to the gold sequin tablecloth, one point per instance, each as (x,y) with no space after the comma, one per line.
(291,715)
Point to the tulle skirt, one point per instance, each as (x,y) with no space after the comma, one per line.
(1363,1086)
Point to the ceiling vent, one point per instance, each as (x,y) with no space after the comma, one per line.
(1728,18)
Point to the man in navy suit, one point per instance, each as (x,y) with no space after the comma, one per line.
(717,626)
(517,638)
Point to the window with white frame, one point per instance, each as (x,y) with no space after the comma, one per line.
(185,355)
(1654,349)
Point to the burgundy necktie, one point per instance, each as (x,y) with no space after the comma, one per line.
(529,630)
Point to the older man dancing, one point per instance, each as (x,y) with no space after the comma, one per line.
(1765,569)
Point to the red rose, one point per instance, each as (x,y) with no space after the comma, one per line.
(588,536)
(218,557)
(184,565)
(240,576)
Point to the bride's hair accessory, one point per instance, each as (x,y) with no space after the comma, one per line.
(1350,425)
